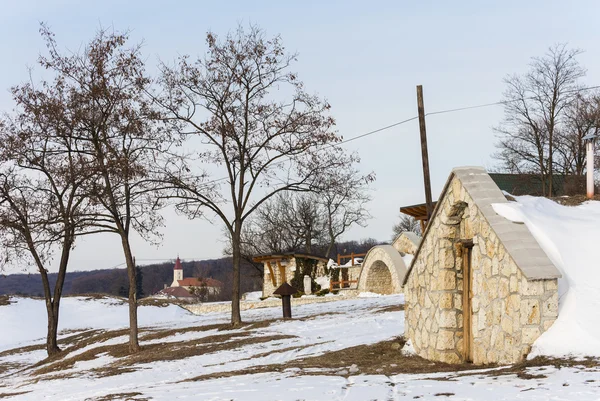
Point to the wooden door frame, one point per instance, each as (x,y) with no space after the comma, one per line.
(467,246)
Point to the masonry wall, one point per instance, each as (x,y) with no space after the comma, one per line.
(509,312)
(290,268)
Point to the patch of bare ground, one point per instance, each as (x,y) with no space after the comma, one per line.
(71,341)
(165,351)
(521,369)
(161,303)
(313,317)
(574,200)
(391,308)
(158,334)
(8,395)
(4,300)
(383,358)
(7,367)
(120,397)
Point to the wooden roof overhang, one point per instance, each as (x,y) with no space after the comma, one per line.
(280,256)
(277,258)
(419,212)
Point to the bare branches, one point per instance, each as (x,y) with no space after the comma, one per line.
(256,122)
(536,113)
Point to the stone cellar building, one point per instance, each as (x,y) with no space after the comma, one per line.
(280,268)
(479,289)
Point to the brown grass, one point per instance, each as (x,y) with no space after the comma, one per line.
(4,300)
(158,334)
(166,351)
(369,359)
(520,369)
(120,397)
(391,308)
(574,200)
(8,395)
(161,303)
(7,367)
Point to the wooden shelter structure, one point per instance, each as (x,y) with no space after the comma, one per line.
(279,268)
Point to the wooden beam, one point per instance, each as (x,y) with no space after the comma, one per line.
(281,272)
(424,153)
(272,275)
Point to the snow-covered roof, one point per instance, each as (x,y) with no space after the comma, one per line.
(527,254)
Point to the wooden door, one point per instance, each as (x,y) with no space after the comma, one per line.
(467,301)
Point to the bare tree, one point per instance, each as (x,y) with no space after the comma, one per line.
(117,131)
(344,201)
(44,205)
(406,223)
(581,118)
(534,110)
(256,122)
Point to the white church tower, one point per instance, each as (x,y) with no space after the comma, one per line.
(177,273)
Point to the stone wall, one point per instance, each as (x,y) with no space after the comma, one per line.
(407,242)
(211,307)
(379,279)
(509,312)
(290,269)
(383,271)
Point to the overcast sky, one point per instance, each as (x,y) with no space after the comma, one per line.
(365,57)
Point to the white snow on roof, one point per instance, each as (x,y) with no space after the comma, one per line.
(570,236)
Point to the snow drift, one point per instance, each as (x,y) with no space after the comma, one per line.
(570,236)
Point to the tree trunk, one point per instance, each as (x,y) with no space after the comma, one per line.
(51,337)
(53,306)
(134,345)
(236,317)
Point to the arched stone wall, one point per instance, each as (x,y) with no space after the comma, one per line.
(383,271)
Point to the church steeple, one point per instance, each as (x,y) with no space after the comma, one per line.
(177,272)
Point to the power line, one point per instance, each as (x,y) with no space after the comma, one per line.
(446,111)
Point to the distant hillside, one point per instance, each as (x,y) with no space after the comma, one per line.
(114,281)
(154,277)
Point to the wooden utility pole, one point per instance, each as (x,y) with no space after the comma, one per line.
(424,155)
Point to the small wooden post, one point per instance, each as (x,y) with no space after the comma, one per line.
(352,257)
(424,153)
(590,168)
(286,291)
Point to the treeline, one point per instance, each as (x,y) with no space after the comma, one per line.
(549,114)
(153,278)
(97,144)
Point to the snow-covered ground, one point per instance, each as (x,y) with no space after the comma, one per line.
(315,330)
(570,236)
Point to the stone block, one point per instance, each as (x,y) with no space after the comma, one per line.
(514,283)
(458,301)
(551,285)
(507,324)
(445,340)
(529,335)
(475,304)
(530,311)
(532,287)
(503,287)
(446,280)
(447,319)
(547,324)
(550,306)
(446,300)
(513,303)
(486,267)
(490,249)
(449,357)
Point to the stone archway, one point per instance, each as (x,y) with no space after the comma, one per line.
(383,271)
